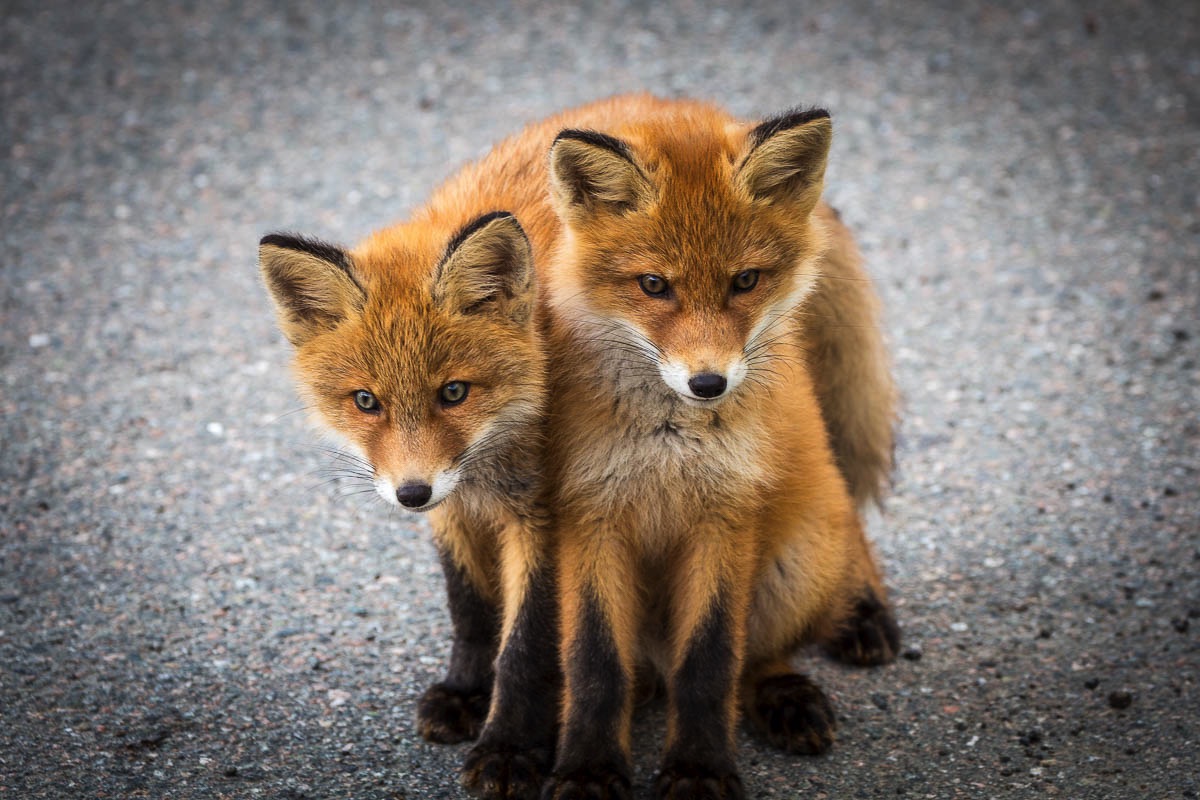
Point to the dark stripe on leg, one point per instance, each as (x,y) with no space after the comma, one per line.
(591,761)
(454,710)
(516,749)
(700,691)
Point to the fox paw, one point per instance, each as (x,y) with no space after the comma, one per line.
(681,781)
(498,772)
(449,716)
(792,713)
(599,783)
(869,637)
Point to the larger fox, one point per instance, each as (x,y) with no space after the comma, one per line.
(710,335)
(702,304)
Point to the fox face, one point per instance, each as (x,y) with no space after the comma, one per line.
(416,350)
(691,243)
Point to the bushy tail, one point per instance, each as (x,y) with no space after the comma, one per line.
(850,367)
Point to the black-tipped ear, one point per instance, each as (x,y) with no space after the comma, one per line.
(311,282)
(488,268)
(785,159)
(592,172)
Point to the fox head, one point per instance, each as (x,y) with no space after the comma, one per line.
(416,349)
(691,240)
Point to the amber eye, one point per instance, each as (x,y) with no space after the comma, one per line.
(366,402)
(453,393)
(653,285)
(745,280)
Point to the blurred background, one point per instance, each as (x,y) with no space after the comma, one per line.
(190,608)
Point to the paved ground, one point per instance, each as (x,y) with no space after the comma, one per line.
(188,609)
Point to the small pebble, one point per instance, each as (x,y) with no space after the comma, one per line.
(1120,699)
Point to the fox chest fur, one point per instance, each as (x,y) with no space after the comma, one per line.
(630,452)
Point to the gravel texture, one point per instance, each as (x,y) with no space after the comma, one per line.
(192,607)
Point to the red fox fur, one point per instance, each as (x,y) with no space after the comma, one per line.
(420,350)
(704,346)
(702,304)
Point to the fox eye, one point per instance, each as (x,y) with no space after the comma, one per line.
(366,402)
(453,393)
(745,280)
(653,285)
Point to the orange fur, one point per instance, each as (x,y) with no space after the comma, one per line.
(669,512)
(708,531)
(382,334)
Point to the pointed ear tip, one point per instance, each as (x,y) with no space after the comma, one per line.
(275,239)
(509,220)
(579,139)
(505,219)
(569,135)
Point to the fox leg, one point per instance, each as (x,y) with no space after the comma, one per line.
(787,709)
(710,601)
(600,616)
(866,634)
(453,710)
(516,748)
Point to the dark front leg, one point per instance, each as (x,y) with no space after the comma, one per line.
(593,758)
(516,749)
(601,614)
(454,709)
(700,761)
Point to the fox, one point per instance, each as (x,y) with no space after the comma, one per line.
(420,351)
(432,352)
(720,408)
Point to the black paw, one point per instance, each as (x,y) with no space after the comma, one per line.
(792,713)
(598,783)
(869,637)
(682,781)
(500,772)
(450,716)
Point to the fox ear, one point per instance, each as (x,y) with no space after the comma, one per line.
(785,159)
(311,283)
(488,267)
(592,172)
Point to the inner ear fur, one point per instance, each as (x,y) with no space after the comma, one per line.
(786,158)
(487,268)
(311,282)
(592,172)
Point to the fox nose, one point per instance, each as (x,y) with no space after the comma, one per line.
(414,494)
(707,385)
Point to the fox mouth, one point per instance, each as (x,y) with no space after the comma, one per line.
(702,402)
(424,508)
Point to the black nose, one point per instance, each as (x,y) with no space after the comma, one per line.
(414,495)
(707,385)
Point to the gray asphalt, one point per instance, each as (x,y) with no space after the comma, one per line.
(191,606)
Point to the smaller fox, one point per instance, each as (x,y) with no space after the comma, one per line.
(420,350)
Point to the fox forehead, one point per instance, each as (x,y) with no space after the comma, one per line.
(698,250)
